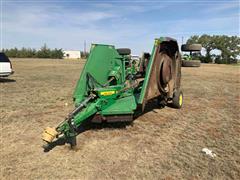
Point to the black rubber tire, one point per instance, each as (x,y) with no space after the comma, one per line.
(177,100)
(124,51)
(191,47)
(191,63)
(162,80)
(161,102)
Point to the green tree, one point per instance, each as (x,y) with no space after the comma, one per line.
(206,42)
(44,52)
(228,45)
(56,54)
(11,52)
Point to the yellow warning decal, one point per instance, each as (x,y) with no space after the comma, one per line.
(107,93)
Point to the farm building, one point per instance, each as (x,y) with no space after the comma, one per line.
(72,54)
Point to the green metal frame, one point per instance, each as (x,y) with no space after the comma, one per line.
(103,63)
(95,91)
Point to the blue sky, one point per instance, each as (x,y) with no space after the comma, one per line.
(123,23)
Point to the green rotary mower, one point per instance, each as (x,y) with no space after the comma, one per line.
(112,88)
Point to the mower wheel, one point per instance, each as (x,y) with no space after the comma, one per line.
(124,51)
(191,47)
(161,102)
(191,63)
(177,100)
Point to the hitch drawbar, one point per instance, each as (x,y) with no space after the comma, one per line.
(49,134)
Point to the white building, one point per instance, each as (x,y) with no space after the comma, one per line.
(71,54)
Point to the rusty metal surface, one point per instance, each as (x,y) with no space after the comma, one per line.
(98,118)
(164,77)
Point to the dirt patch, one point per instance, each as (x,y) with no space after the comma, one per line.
(161,144)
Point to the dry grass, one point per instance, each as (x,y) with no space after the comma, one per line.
(161,144)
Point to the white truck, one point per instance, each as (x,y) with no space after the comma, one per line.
(5,66)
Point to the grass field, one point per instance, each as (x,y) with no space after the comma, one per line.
(160,144)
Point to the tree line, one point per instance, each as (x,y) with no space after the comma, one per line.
(43,52)
(228,46)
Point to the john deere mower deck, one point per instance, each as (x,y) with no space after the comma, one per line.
(112,89)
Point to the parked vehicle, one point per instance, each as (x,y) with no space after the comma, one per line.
(5,66)
(191,60)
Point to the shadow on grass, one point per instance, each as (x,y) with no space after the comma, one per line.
(89,125)
(5,80)
(85,126)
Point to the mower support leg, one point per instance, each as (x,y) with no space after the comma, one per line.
(73,142)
